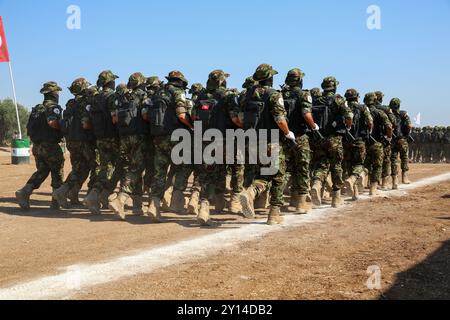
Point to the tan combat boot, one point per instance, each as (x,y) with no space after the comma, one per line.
(336,200)
(247,199)
(302,206)
(154,210)
(235,205)
(373,189)
(394,182)
(262,201)
(219,202)
(23,197)
(362,181)
(193,203)
(73,195)
(103,198)
(352,187)
(92,202)
(167,198)
(137,206)
(405,179)
(295,198)
(61,194)
(316,193)
(275,216)
(384,183)
(203,214)
(117,204)
(177,202)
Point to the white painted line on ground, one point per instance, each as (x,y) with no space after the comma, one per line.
(80,277)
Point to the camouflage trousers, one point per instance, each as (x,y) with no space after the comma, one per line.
(299,161)
(399,149)
(447,152)
(109,169)
(132,157)
(354,158)
(374,161)
(49,160)
(162,162)
(436,152)
(328,155)
(149,163)
(237,177)
(212,179)
(276,182)
(83,159)
(386,171)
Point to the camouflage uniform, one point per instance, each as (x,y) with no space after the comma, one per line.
(382,126)
(427,140)
(43,129)
(276,116)
(438,136)
(400,142)
(80,143)
(298,104)
(355,151)
(387,150)
(329,152)
(133,132)
(174,95)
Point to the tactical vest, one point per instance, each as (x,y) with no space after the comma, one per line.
(257,113)
(211,110)
(401,130)
(129,114)
(359,127)
(38,129)
(71,127)
(101,116)
(297,123)
(162,113)
(330,122)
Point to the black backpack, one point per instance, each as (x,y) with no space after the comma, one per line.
(38,129)
(161,112)
(328,122)
(101,117)
(256,111)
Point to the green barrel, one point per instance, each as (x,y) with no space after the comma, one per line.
(20,152)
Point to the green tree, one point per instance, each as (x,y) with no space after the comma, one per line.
(8,122)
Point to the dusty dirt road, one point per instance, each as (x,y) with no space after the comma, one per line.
(407,237)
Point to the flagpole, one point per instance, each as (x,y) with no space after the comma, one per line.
(15,99)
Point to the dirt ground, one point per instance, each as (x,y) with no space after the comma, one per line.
(407,237)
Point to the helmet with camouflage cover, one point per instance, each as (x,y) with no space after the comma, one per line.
(395,104)
(330,84)
(370,99)
(153,81)
(196,88)
(136,80)
(294,76)
(216,79)
(351,94)
(49,87)
(316,92)
(380,96)
(177,75)
(122,89)
(78,86)
(264,72)
(106,77)
(248,83)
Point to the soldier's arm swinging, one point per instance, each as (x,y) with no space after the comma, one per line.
(185,120)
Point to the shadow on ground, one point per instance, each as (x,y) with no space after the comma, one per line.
(429,279)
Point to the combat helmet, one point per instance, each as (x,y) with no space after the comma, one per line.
(380,96)
(351,94)
(370,99)
(395,104)
(196,88)
(216,79)
(177,75)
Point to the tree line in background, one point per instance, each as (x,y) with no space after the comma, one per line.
(8,122)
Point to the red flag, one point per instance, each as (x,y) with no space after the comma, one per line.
(4,56)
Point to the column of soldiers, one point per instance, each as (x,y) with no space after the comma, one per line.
(119,138)
(430,145)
